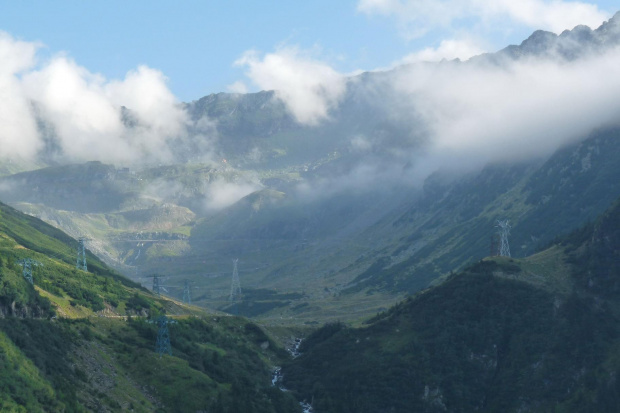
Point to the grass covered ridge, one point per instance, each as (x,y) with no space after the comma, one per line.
(80,341)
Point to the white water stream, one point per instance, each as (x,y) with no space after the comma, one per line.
(276,379)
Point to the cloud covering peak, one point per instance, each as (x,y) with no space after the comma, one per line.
(308,87)
(61,106)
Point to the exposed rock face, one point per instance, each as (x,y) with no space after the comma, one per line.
(569,45)
(14,310)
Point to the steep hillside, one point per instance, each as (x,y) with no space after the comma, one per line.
(536,334)
(77,341)
(333,253)
(453,221)
(117,207)
(594,253)
(84,188)
(24,236)
(350,254)
(339,223)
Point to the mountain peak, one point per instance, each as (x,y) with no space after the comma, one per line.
(538,42)
(610,30)
(569,45)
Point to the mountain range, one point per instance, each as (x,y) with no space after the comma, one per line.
(534,334)
(74,341)
(366,244)
(333,220)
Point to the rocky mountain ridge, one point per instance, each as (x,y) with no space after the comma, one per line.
(309,227)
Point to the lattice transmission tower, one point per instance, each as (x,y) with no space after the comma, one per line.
(503,229)
(27,264)
(80,264)
(156,285)
(494,248)
(235,288)
(162,346)
(187,297)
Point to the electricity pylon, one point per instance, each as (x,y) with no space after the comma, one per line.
(80,264)
(187,298)
(503,231)
(156,286)
(162,346)
(494,249)
(27,264)
(235,288)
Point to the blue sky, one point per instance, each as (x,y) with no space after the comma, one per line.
(196,43)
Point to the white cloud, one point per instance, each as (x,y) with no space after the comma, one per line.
(18,130)
(463,115)
(16,56)
(237,87)
(73,102)
(417,17)
(361,143)
(477,112)
(85,111)
(555,15)
(145,92)
(221,193)
(82,111)
(308,87)
(448,49)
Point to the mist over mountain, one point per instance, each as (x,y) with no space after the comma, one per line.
(353,217)
(429,114)
(520,103)
(329,183)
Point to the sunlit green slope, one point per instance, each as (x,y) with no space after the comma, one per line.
(85,341)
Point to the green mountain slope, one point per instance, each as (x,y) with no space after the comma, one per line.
(453,222)
(23,237)
(536,334)
(357,250)
(350,254)
(323,238)
(79,341)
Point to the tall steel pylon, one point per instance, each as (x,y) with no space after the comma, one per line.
(156,286)
(80,264)
(27,264)
(187,298)
(503,231)
(235,288)
(162,346)
(494,249)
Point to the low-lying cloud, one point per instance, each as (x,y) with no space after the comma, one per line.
(464,115)
(308,87)
(220,194)
(448,115)
(60,107)
(516,110)
(18,129)
(447,50)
